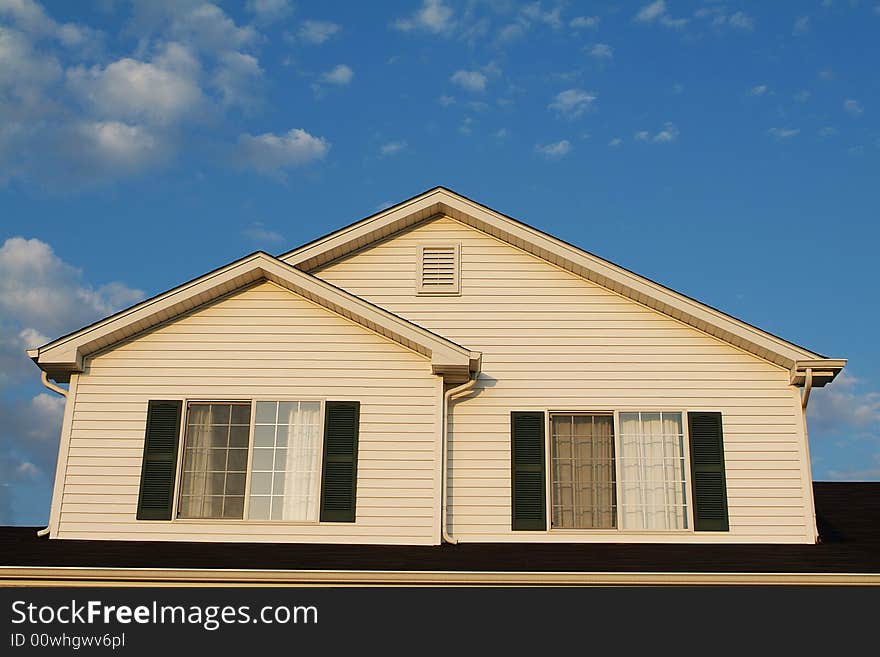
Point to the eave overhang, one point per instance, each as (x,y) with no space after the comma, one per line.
(66,355)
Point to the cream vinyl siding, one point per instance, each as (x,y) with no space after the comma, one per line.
(554,341)
(263,342)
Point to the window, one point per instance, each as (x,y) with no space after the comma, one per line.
(652,480)
(438,269)
(284,469)
(647,453)
(215,460)
(582,456)
(284,463)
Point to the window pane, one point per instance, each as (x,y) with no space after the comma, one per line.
(293,453)
(651,454)
(215,458)
(582,453)
(266,412)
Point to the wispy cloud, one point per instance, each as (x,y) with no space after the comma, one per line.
(554,151)
(666,135)
(615,142)
(273,154)
(853,107)
(656,12)
(258,232)
(759,90)
(783,133)
(581,22)
(269,11)
(572,103)
(469,80)
(802,96)
(317,32)
(601,51)
(392,148)
(801,26)
(651,12)
(433,16)
(339,75)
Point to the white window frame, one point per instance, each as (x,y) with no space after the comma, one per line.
(451,290)
(247,483)
(689,515)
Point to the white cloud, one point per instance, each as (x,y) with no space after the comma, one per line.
(827,131)
(117,148)
(759,90)
(239,80)
(844,403)
(656,12)
(269,11)
(535,12)
(392,148)
(783,133)
(133,90)
(446,101)
(651,12)
(853,107)
(555,150)
(340,75)
(40,291)
(317,32)
(615,142)
(469,80)
(801,26)
(579,22)
(260,233)
(272,154)
(802,96)
(742,21)
(601,51)
(571,103)
(433,16)
(669,133)
(207,27)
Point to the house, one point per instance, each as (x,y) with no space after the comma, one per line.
(436,372)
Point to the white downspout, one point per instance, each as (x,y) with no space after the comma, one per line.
(44,378)
(447,399)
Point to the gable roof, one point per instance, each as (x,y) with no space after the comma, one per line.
(440,201)
(64,356)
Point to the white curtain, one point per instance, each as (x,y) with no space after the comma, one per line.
(651,456)
(284,466)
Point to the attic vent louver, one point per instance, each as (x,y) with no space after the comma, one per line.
(438,269)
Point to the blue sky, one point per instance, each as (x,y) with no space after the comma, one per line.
(729,150)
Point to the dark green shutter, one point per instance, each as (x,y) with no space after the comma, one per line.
(339,475)
(159,466)
(707,472)
(527,471)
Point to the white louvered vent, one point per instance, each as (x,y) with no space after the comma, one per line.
(438,269)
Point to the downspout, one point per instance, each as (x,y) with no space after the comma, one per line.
(447,399)
(44,378)
(808,385)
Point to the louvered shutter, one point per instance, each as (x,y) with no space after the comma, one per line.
(339,475)
(528,483)
(707,472)
(159,466)
(438,269)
